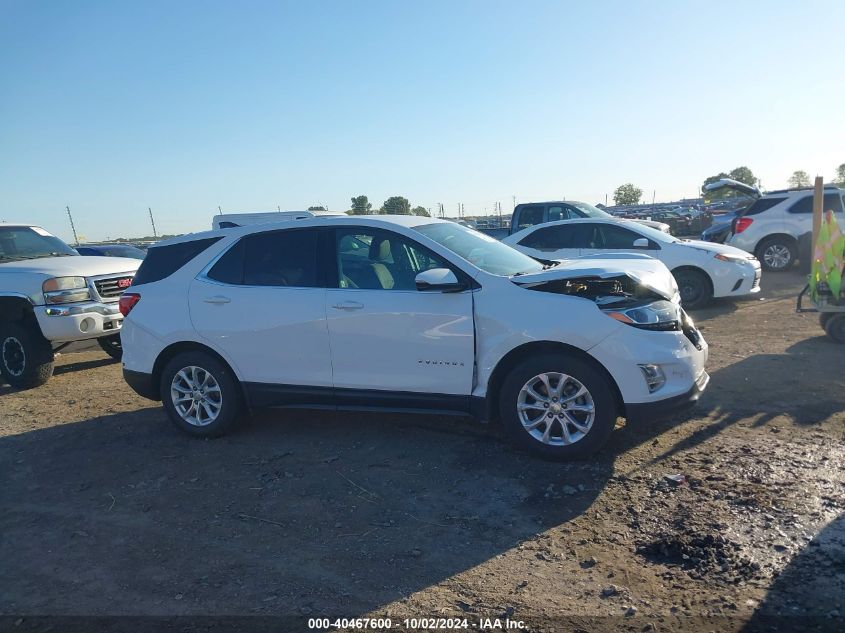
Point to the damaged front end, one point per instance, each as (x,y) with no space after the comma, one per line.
(626,297)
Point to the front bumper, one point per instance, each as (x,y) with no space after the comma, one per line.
(78,322)
(142,384)
(646,411)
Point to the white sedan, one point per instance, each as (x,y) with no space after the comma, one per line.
(703,270)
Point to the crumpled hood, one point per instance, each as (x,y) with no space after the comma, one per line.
(72,266)
(646,270)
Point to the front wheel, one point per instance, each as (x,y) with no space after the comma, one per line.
(834,326)
(111,346)
(694,288)
(557,406)
(26,357)
(200,394)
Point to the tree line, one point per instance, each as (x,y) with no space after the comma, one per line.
(394,205)
(631,194)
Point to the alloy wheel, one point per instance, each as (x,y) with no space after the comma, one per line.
(196,395)
(555,409)
(777,256)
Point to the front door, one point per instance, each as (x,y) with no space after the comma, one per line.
(388,338)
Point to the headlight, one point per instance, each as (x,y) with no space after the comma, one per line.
(733,259)
(660,315)
(65,290)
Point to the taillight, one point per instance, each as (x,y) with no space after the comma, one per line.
(742,224)
(127,302)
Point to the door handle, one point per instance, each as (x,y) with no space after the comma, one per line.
(217,299)
(348,305)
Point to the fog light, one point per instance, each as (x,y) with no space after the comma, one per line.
(654,377)
(85,325)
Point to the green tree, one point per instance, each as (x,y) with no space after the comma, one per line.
(421,211)
(361,205)
(743,174)
(799,178)
(627,194)
(396,205)
(317,208)
(840,175)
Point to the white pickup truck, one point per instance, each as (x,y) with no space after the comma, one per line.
(50,296)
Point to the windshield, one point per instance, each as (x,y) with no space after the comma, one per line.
(590,211)
(480,250)
(30,242)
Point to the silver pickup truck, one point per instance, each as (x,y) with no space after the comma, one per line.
(50,296)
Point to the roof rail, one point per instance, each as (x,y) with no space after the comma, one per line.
(791,189)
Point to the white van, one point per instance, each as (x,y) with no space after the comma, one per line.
(231,220)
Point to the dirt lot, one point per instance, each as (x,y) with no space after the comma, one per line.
(109,510)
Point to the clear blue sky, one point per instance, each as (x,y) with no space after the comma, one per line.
(112,106)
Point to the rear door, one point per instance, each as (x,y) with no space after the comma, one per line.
(261,305)
(798,218)
(391,343)
(528,215)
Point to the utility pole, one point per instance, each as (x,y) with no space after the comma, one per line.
(653,195)
(279,208)
(153,222)
(514,203)
(219,210)
(72,227)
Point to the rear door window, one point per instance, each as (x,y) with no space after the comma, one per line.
(163,261)
(529,216)
(281,258)
(832,202)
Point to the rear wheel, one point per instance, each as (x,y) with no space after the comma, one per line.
(111,346)
(834,326)
(26,357)
(694,287)
(777,253)
(200,394)
(557,406)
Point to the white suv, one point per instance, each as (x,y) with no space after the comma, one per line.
(772,225)
(406,313)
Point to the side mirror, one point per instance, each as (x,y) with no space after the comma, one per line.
(641,242)
(439,279)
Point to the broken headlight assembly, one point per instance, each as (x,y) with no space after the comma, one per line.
(658,315)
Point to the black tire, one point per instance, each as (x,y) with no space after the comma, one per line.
(111,346)
(598,387)
(834,326)
(824,317)
(694,287)
(26,357)
(781,251)
(230,408)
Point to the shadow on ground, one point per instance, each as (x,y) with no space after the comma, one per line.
(809,595)
(298,513)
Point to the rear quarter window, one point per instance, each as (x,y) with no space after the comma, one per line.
(762,204)
(163,261)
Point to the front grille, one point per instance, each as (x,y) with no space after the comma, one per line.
(112,287)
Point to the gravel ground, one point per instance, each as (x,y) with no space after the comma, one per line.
(108,510)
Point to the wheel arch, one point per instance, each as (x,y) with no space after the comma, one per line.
(173,349)
(695,269)
(520,353)
(15,308)
(786,237)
